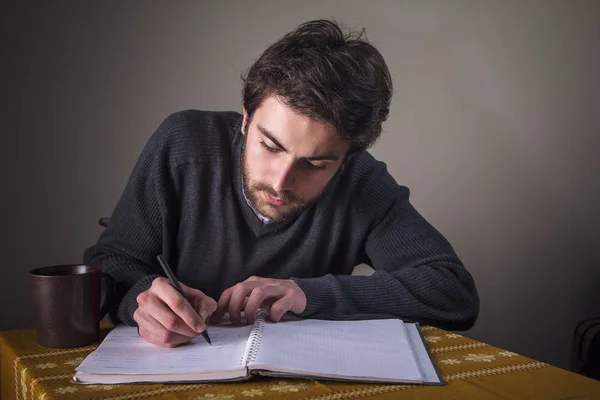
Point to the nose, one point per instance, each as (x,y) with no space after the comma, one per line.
(284,177)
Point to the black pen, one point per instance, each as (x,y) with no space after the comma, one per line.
(175,283)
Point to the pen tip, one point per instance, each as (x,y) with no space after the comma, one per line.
(207,338)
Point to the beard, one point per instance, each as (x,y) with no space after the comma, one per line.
(293,206)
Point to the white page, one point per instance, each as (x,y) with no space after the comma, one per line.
(376,349)
(124,352)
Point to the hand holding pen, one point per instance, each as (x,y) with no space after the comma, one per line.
(165,318)
(175,283)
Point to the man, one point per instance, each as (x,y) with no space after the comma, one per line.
(275,207)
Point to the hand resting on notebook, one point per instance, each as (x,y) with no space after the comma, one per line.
(167,319)
(279,295)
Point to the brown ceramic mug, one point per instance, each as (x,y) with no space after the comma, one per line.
(67,303)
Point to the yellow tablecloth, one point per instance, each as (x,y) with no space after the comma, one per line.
(471,369)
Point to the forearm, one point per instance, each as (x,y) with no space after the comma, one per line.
(440,293)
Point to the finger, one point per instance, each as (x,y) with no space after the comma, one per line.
(258,298)
(280,307)
(153,332)
(178,304)
(222,305)
(240,292)
(207,308)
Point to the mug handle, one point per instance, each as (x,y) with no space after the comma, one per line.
(110,288)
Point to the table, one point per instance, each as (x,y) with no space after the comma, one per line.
(471,369)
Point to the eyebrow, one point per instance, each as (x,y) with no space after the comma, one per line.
(272,138)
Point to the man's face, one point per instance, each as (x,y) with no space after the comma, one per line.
(288,159)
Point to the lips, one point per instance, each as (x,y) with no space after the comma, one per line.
(274,201)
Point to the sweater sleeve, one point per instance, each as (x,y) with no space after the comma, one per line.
(418,276)
(127,248)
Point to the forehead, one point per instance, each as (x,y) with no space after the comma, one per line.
(297,132)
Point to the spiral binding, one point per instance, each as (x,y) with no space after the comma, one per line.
(253,342)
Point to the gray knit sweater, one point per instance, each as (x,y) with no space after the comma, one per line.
(184,200)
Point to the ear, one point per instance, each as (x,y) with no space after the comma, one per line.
(351,153)
(245,120)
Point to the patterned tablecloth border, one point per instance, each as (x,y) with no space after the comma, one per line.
(21,373)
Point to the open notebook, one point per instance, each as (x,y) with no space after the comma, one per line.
(367,351)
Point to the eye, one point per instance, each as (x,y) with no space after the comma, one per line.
(269,148)
(312,166)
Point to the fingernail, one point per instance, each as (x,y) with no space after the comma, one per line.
(204,314)
(199,327)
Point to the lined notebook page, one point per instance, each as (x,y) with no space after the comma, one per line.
(352,349)
(124,352)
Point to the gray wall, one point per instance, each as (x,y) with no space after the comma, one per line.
(494,127)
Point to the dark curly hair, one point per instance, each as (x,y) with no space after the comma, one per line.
(326,74)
